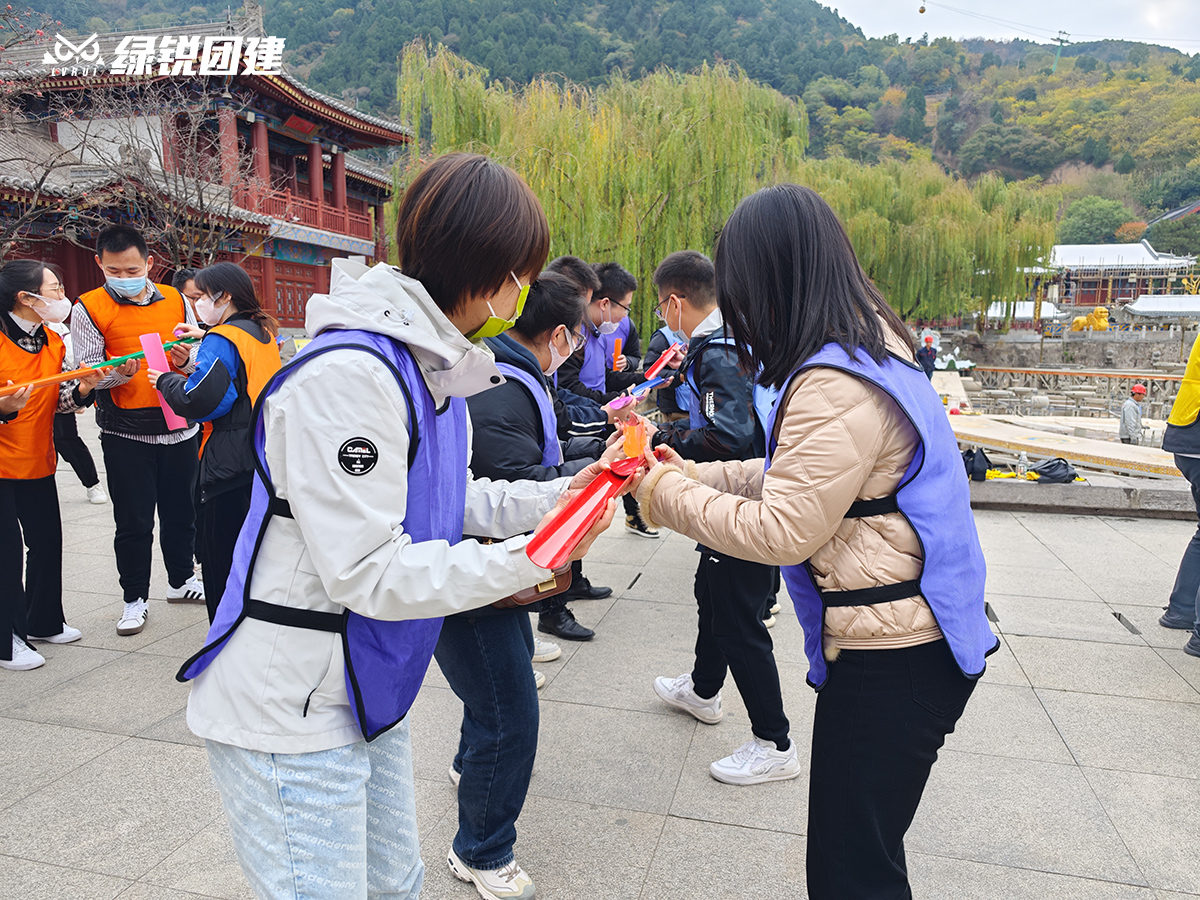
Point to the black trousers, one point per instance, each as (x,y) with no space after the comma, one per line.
(730,597)
(29,519)
(70,446)
(881,718)
(142,478)
(218,522)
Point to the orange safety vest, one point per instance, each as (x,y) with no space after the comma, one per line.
(122,325)
(27,442)
(260,361)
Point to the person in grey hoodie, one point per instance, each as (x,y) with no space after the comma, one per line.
(363,444)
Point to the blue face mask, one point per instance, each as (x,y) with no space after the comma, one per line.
(128,287)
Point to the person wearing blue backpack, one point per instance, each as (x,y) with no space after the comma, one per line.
(731,593)
(353,548)
(861,498)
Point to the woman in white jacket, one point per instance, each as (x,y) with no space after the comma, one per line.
(352,549)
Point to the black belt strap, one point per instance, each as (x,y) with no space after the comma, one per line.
(866,596)
(313,620)
(861,509)
(279,507)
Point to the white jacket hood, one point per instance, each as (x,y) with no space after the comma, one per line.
(383,300)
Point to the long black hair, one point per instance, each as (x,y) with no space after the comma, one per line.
(554,300)
(230,278)
(788,283)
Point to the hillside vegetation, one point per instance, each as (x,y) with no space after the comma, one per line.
(1114,119)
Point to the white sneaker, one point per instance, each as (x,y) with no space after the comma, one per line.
(545,651)
(769,621)
(681,693)
(66,636)
(455,776)
(539,679)
(755,762)
(133,617)
(774,609)
(191,591)
(24,657)
(506,883)
(96,495)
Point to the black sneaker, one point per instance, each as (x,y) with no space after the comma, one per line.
(582,589)
(637,525)
(561,623)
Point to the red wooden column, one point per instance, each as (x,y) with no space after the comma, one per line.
(269,298)
(338,173)
(227,133)
(316,173)
(262,162)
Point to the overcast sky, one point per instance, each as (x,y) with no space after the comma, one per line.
(1175,23)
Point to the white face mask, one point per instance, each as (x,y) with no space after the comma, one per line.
(50,309)
(608,326)
(208,312)
(556,358)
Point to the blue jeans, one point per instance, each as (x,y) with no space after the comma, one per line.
(1185,596)
(336,824)
(486,659)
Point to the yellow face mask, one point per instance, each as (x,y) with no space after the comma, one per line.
(495,326)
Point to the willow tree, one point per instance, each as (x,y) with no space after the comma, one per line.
(634,170)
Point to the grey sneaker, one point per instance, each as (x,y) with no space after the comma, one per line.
(680,692)
(506,883)
(755,762)
(1166,620)
(1192,647)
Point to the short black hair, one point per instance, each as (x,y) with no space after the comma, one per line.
(119,238)
(615,281)
(788,283)
(17,276)
(577,270)
(554,299)
(464,224)
(688,274)
(181,277)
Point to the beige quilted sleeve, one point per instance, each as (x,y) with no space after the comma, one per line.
(829,438)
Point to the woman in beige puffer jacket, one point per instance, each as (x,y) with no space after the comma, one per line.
(790,287)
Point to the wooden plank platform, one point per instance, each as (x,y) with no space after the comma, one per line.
(995,434)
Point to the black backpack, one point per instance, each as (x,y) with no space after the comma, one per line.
(977,464)
(1055,471)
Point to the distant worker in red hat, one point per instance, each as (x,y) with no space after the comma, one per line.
(1130,431)
(927,356)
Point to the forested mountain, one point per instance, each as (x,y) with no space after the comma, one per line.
(1113,118)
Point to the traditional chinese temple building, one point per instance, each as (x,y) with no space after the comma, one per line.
(309,201)
(1111,274)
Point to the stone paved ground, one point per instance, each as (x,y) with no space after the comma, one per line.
(1074,774)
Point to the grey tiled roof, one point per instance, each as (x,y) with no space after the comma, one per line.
(26,60)
(27,154)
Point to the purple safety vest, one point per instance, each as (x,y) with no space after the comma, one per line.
(934,497)
(385,660)
(551,448)
(597,355)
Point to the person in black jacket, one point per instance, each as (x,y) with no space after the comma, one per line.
(672,397)
(927,356)
(731,594)
(236,358)
(592,375)
(591,372)
(485,653)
